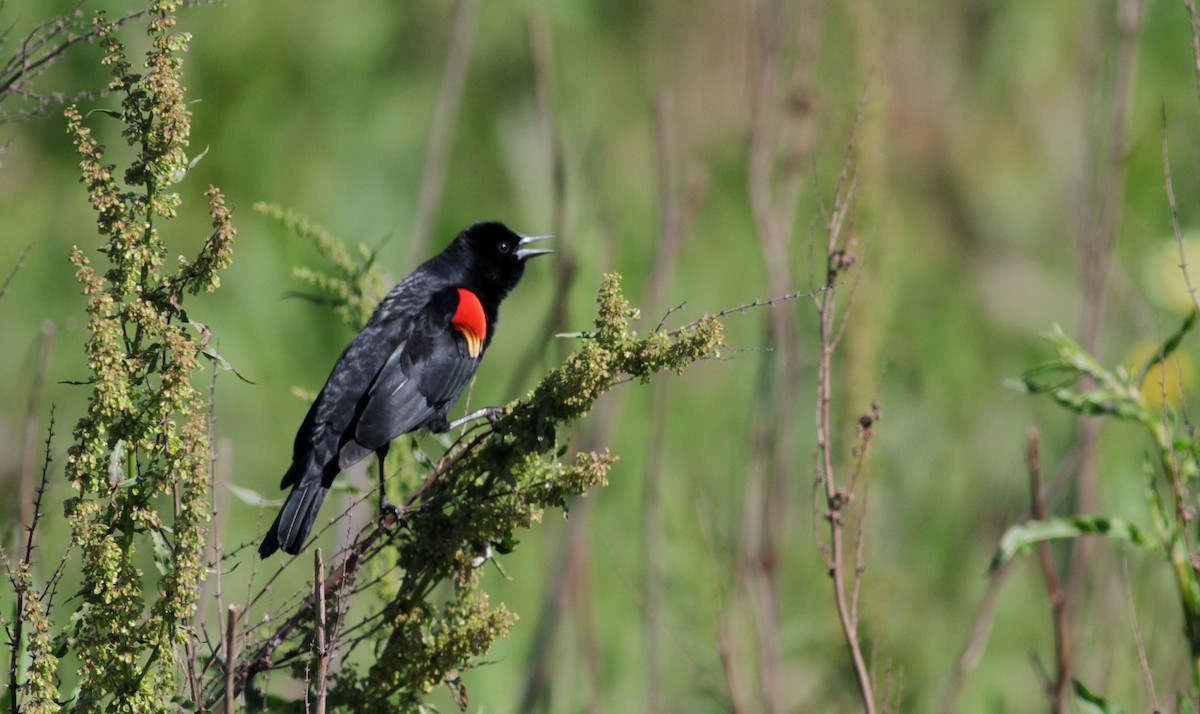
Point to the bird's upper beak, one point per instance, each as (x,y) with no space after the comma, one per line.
(527,253)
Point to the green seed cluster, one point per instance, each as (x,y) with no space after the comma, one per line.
(140,459)
(504,485)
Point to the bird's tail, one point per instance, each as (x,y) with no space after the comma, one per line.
(295,519)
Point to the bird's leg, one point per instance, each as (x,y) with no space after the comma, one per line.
(489,413)
(386,507)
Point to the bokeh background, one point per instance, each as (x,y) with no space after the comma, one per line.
(996,141)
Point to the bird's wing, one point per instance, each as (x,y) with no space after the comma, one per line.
(315,452)
(420,379)
(319,437)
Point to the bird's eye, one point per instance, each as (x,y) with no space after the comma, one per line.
(504,247)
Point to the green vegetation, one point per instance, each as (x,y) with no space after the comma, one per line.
(953,179)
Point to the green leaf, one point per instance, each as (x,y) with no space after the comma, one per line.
(1021,537)
(1099,401)
(106,112)
(162,551)
(1044,378)
(216,358)
(1072,355)
(1094,702)
(179,174)
(1169,345)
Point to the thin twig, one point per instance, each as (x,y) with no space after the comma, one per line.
(1195,22)
(230,658)
(212,548)
(15,269)
(352,558)
(666,315)
(786,297)
(1170,186)
(866,424)
(20,581)
(1137,638)
(836,499)
(45,44)
(1058,601)
(29,443)
(321,653)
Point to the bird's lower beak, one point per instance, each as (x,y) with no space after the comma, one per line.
(527,253)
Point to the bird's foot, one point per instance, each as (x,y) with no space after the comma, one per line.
(489,413)
(387,509)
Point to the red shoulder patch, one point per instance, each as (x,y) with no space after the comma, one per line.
(470,321)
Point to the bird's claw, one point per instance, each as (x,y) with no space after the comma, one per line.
(492,414)
(387,509)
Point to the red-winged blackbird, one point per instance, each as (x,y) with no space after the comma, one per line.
(403,371)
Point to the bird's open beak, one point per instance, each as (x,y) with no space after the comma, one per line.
(527,253)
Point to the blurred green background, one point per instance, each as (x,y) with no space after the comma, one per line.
(981,157)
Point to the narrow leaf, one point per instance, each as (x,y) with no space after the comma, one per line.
(1093,702)
(1021,537)
(216,358)
(162,551)
(182,173)
(106,112)
(1169,345)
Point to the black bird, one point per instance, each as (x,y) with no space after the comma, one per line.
(403,371)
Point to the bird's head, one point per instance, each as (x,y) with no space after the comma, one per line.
(498,255)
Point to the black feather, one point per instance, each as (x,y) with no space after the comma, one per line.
(403,371)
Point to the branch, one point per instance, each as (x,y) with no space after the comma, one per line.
(1058,601)
(836,499)
(321,652)
(489,483)
(1170,186)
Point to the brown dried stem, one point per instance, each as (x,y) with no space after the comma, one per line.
(321,652)
(1058,601)
(838,259)
(230,658)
